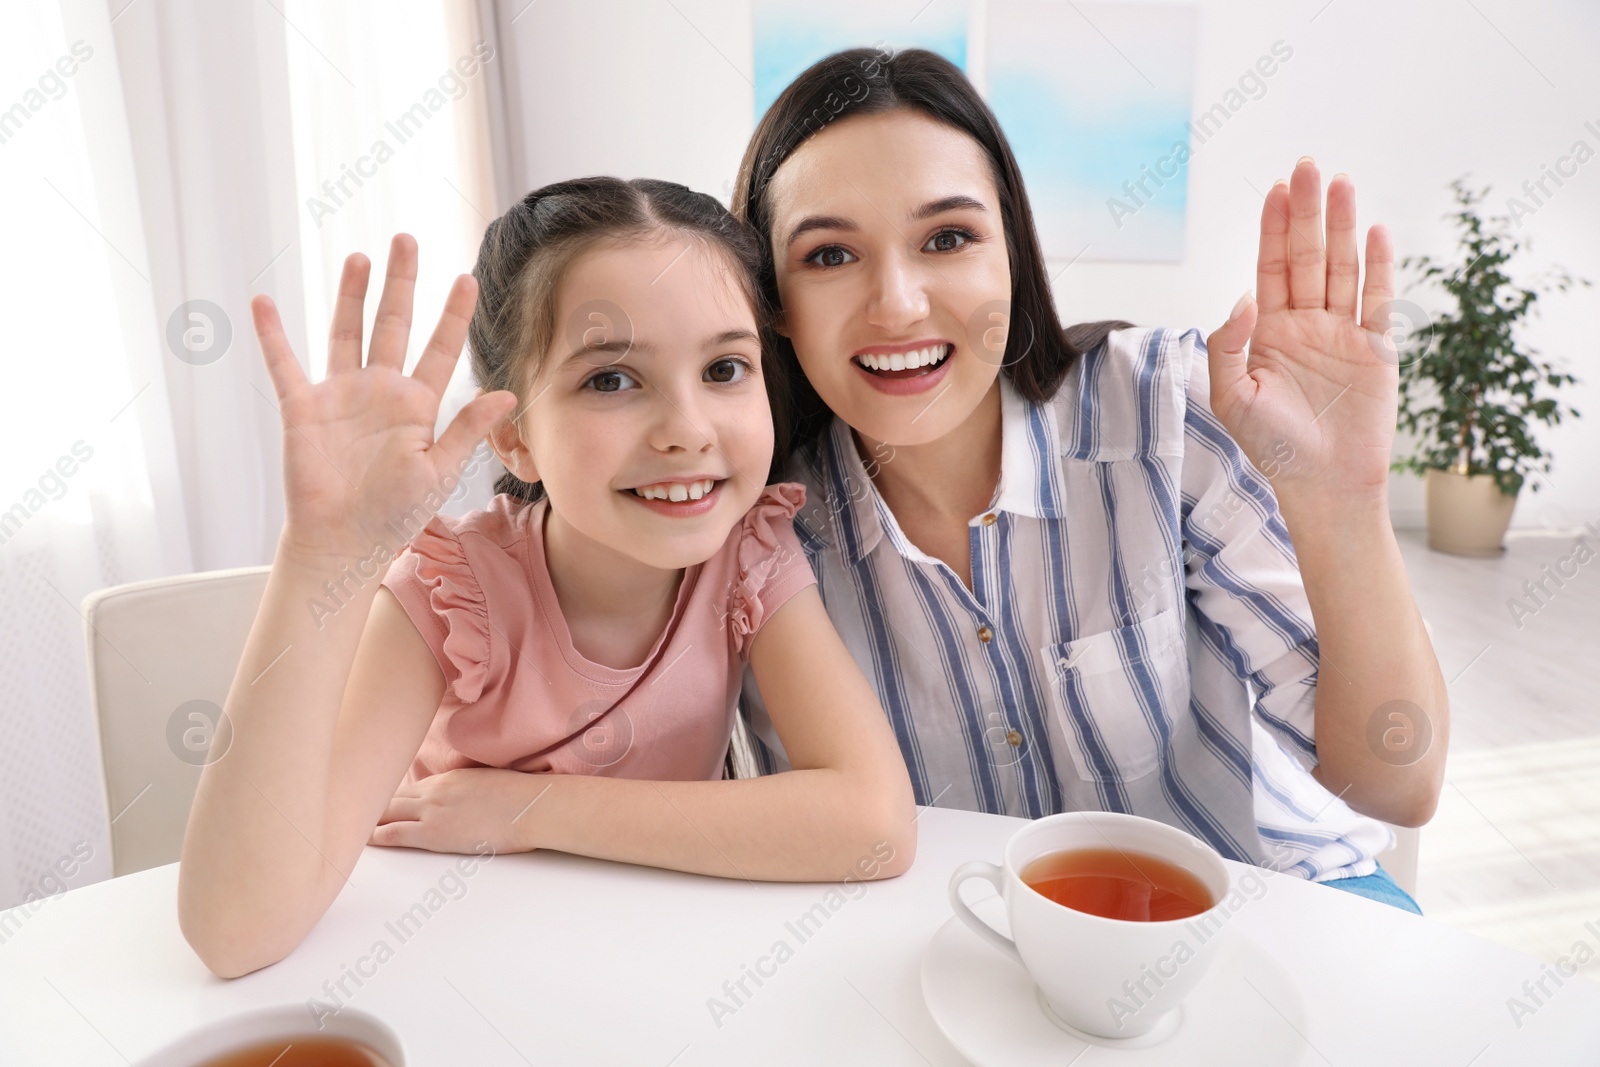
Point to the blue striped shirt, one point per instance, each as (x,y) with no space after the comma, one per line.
(1137,636)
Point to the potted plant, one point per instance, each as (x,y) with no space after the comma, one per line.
(1469,390)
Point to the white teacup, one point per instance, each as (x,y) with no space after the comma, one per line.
(283,1022)
(1110,978)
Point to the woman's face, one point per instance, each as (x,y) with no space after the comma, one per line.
(888,243)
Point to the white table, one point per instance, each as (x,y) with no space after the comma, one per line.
(554,959)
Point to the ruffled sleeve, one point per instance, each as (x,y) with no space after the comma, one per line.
(434,583)
(771,567)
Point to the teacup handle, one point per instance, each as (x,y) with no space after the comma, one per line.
(995,877)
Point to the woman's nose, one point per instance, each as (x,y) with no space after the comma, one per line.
(899,297)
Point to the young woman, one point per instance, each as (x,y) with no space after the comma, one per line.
(1099,568)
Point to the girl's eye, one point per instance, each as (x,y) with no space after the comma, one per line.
(828,256)
(734,365)
(966,236)
(602,382)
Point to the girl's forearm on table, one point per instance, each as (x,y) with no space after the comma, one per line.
(801,825)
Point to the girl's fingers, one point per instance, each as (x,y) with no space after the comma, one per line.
(392,327)
(287,376)
(438,360)
(1344,268)
(1308,266)
(1272,259)
(344,333)
(401,809)
(469,426)
(1379,290)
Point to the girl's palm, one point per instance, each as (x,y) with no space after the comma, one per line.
(359,457)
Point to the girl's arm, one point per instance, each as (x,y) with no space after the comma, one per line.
(846,810)
(328,708)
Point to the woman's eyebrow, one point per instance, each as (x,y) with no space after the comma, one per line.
(958,202)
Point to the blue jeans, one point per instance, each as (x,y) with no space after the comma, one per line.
(1377,886)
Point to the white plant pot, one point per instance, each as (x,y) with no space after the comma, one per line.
(1467,514)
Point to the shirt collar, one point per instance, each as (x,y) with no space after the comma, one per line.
(1029,478)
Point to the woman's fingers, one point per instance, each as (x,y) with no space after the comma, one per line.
(392,328)
(1272,275)
(438,360)
(344,332)
(1344,269)
(1379,290)
(1308,267)
(284,369)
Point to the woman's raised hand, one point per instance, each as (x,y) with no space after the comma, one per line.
(1318,379)
(358,447)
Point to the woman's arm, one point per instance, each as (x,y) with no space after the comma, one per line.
(846,810)
(1383,711)
(1322,382)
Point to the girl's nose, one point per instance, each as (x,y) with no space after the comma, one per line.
(680,426)
(899,298)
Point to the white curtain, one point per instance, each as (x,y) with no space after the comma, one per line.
(160,157)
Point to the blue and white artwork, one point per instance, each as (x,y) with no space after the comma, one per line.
(1095,100)
(790,36)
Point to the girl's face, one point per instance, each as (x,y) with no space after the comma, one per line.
(652,389)
(890,249)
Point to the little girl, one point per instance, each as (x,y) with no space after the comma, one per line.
(591,625)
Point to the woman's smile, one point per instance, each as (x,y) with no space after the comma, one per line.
(899,371)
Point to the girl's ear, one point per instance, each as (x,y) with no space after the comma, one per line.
(507,443)
(781,324)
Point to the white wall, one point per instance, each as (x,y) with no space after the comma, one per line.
(1402,96)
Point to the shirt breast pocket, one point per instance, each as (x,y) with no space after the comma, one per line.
(1112,695)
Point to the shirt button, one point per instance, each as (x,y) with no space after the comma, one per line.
(1014,738)
(985,634)
(989,519)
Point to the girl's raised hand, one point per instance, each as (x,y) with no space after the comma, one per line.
(1314,403)
(358,447)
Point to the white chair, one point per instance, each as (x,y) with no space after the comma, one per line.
(153,647)
(1401,860)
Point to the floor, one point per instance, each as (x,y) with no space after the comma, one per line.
(1513,853)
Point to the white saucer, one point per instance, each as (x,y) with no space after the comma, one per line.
(990,1010)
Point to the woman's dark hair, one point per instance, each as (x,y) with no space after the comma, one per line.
(526,252)
(867,81)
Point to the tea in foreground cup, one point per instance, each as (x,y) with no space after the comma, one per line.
(285,1036)
(1111,915)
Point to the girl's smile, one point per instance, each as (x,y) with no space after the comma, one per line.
(681,498)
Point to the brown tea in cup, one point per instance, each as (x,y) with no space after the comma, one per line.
(300,1052)
(1117,884)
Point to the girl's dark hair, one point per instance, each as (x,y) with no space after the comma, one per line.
(867,81)
(526,252)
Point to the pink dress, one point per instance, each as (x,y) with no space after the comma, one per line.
(519,695)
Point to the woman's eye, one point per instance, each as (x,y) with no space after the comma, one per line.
(737,368)
(943,245)
(829,256)
(602,382)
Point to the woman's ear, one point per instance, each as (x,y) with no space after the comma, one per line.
(508,445)
(781,324)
